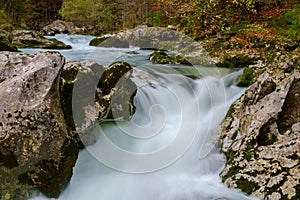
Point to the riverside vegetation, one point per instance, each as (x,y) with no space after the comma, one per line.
(260,134)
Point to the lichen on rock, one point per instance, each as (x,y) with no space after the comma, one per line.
(36,150)
(260,137)
(91,93)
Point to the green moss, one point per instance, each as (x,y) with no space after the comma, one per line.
(232,172)
(295,156)
(248,155)
(114,42)
(230,111)
(234,135)
(297,196)
(229,157)
(97,41)
(5,45)
(67,79)
(246,185)
(289,23)
(161,57)
(56,44)
(247,78)
(237,61)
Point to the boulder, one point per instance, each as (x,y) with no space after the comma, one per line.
(97,94)
(153,38)
(36,150)
(32,39)
(260,135)
(161,57)
(59,26)
(109,41)
(98,40)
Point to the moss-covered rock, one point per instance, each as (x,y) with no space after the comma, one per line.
(110,41)
(161,57)
(247,77)
(32,39)
(260,134)
(71,73)
(97,41)
(100,94)
(237,61)
(116,82)
(5,44)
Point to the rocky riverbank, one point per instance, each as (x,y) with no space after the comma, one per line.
(260,134)
(38,143)
(11,41)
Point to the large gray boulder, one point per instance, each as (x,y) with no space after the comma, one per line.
(261,135)
(36,150)
(154,38)
(33,39)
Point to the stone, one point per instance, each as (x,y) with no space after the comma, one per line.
(98,40)
(59,26)
(97,93)
(36,150)
(263,156)
(33,39)
(161,57)
(109,42)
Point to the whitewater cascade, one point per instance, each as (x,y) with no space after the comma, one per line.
(169,149)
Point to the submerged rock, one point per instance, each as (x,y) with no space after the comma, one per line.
(260,135)
(32,39)
(36,150)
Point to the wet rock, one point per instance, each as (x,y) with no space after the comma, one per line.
(118,90)
(110,41)
(98,40)
(88,73)
(32,39)
(260,137)
(36,150)
(91,93)
(60,26)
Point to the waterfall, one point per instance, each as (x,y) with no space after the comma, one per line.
(169,149)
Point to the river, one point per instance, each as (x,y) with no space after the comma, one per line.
(169,149)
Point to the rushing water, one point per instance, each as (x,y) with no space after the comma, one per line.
(174,125)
